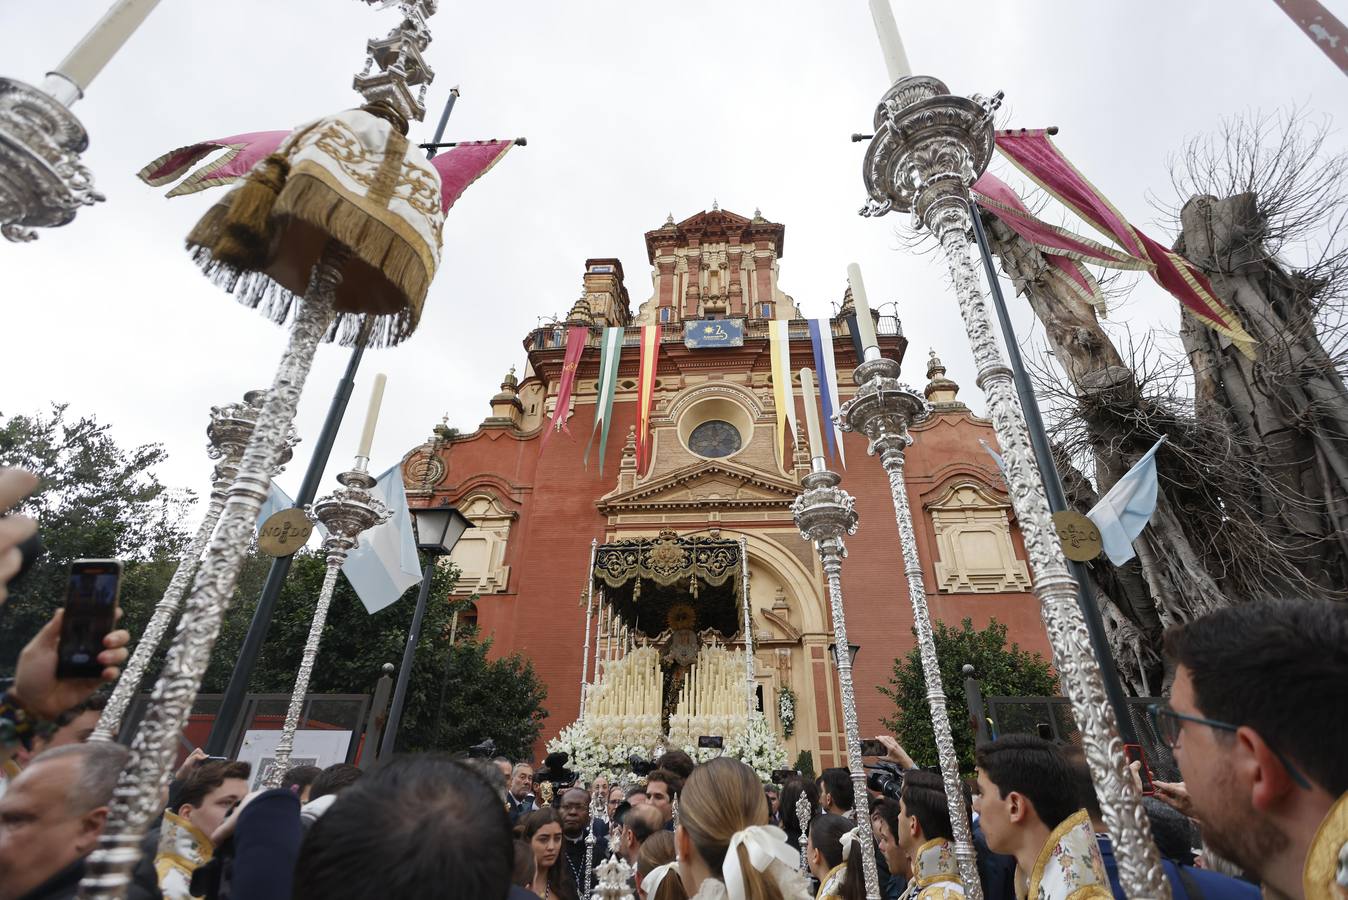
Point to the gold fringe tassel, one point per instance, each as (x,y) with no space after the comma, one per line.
(245,238)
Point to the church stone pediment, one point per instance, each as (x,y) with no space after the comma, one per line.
(703,486)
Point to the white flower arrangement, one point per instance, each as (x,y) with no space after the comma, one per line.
(755,744)
(786,710)
(757,747)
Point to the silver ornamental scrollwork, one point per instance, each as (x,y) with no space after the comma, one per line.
(928,149)
(345,514)
(881,410)
(825,512)
(230,428)
(43,184)
(136,799)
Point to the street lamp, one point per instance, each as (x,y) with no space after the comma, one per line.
(438,530)
(852,650)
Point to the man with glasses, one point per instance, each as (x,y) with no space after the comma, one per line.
(1258,721)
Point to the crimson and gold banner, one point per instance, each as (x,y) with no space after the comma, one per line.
(1036,155)
(576,336)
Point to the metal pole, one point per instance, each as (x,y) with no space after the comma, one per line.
(750,679)
(231,704)
(1057,498)
(589,603)
(226,723)
(395,714)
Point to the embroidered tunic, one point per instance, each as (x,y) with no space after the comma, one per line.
(1070,865)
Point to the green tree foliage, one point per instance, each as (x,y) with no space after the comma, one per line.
(805,765)
(1000,670)
(97,500)
(501,698)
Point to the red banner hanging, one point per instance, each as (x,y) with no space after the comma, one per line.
(576,337)
(1037,156)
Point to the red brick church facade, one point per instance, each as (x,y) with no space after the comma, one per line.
(537,513)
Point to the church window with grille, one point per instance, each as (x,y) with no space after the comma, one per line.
(715,439)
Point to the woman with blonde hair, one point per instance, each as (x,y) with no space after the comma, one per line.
(657,870)
(726,849)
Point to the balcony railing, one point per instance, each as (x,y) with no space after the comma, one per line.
(554,336)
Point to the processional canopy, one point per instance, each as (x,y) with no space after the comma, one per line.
(658,584)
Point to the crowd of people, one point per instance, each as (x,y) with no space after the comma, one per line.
(1255,718)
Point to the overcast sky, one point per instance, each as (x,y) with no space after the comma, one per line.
(633,110)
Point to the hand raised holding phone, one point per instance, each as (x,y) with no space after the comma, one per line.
(37,688)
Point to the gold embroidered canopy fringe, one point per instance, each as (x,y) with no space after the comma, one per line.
(668,582)
(668,560)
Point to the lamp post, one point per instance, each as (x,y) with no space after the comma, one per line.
(852,651)
(438,530)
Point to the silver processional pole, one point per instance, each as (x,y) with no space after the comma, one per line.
(881,409)
(824,513)
(929,147)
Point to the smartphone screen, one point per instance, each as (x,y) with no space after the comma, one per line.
(711,741)
(872,748)
(90,613)
(1134,753)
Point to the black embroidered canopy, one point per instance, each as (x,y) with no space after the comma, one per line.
(651,581)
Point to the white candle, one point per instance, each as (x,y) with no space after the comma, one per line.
(811,414)
(865,324)
(372,416)
(105,39)
(891,45)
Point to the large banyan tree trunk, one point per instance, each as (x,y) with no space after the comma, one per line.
(1253,478)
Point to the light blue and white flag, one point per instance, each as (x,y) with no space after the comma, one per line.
(997,458)
(1124,511)
(276,501)
(385,563)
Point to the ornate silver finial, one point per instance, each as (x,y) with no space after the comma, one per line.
(398,57)
(803,819)
(44,182)
(613,880)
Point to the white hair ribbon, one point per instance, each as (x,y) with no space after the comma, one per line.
(651,883)
(764,843)
(847,840)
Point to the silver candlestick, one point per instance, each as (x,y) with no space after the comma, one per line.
(345,514)
(614,876)
(824,513)
(803,819)
(596,809)
(136,800)
(929,147)
(231,427)
(881,409)
(43,184)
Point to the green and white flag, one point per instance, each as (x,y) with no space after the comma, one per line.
(610,352)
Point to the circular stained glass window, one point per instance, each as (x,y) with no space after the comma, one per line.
(715,439)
